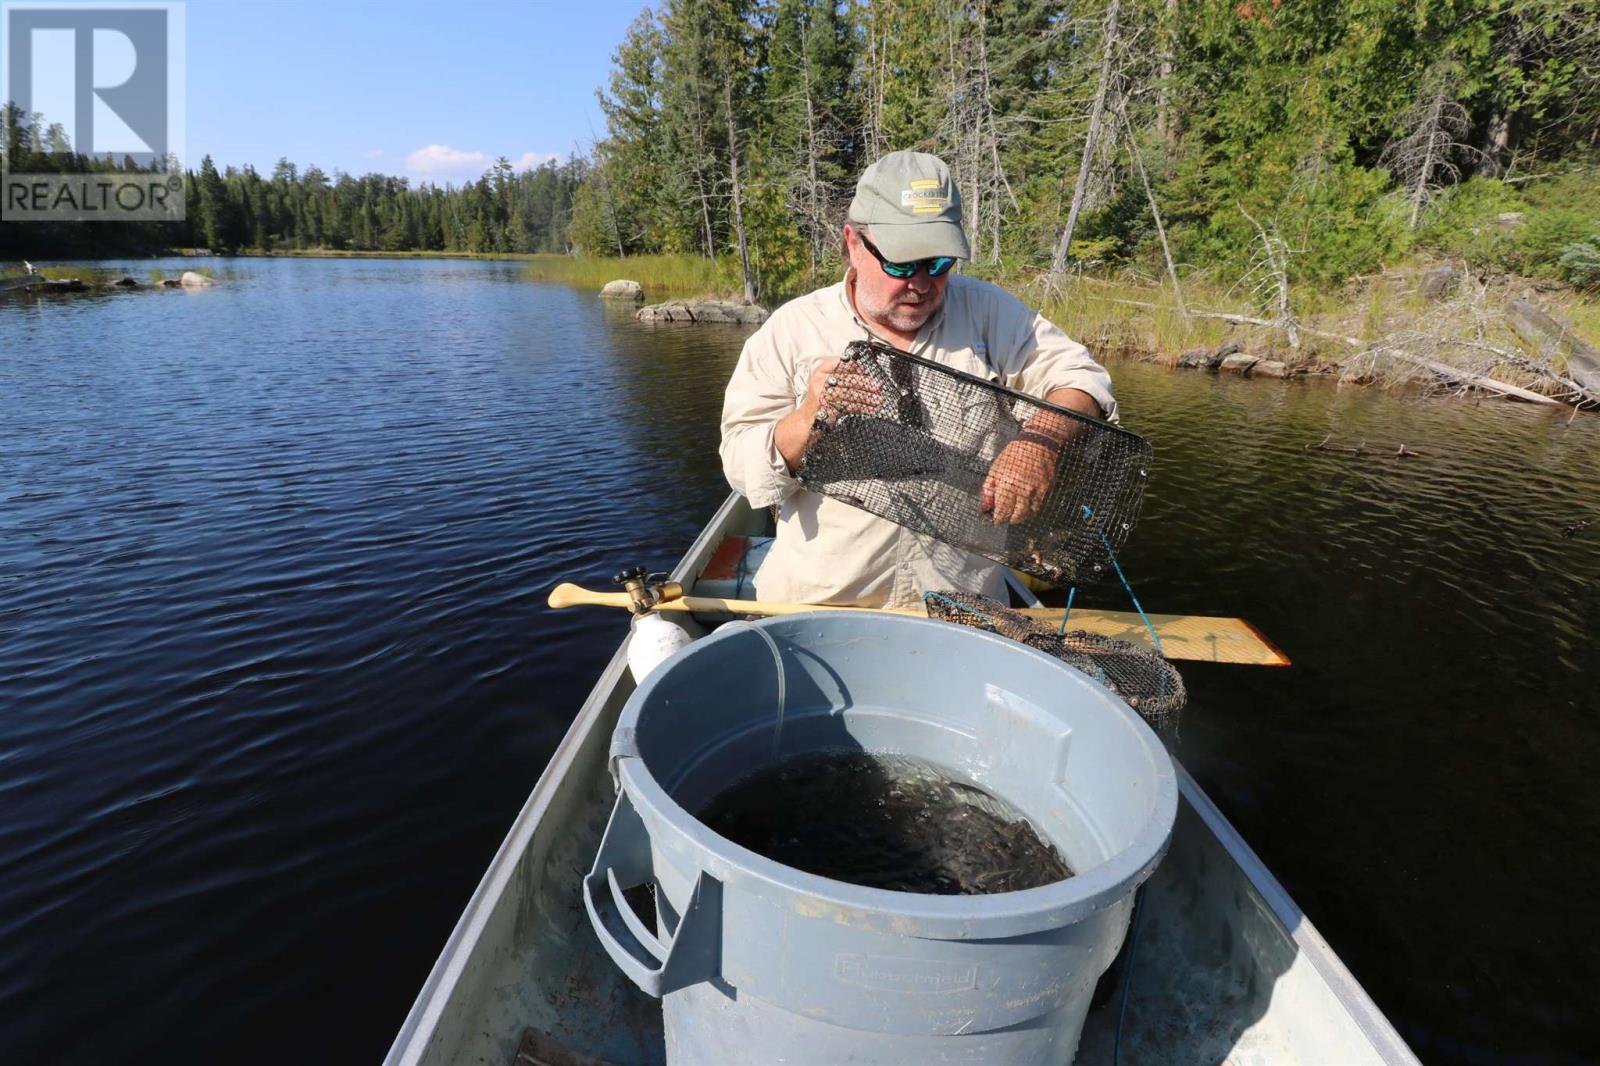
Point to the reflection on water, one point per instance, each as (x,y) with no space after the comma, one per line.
(278,673)
(273,646)
(1420,778)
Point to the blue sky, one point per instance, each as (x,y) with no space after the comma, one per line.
(430,90)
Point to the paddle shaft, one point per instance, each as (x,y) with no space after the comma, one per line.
(1195,637)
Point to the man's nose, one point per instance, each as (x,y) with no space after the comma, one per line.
(920,281)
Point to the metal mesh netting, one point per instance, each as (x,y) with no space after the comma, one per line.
(975,465)
(1143,679)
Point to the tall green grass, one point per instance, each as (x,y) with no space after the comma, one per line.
(1125,316)
(661,275)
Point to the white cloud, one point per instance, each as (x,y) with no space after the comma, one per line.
(440,162)
(533,160)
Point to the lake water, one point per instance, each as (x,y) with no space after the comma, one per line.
(277,673)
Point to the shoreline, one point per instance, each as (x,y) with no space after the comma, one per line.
(1430,324)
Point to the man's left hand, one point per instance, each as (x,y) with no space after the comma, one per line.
(1018,481)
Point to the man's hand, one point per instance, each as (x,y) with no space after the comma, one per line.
(1021,475)
(836,388)
(1018,481)
(840,388)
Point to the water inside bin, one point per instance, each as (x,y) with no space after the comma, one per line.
(885,821)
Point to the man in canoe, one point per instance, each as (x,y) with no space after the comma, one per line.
(902,237)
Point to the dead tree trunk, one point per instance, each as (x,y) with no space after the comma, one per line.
(738,191)
(1274,286)
(992,130)
(1091,140)
(813,194)
(697,126)
(1155,214)
(611,209)
(1419,192)
(1497,132)
(1165,128)
(873,133)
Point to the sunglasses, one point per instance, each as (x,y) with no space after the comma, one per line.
(938,266)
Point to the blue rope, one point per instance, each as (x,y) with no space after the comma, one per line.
(926,596)
(1071,592)
(1088,516)
(740,570)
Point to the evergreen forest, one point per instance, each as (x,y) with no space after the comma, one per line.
(1332,135)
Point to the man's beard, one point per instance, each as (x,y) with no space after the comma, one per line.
(906,316)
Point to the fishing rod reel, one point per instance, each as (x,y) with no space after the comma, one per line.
(647,591)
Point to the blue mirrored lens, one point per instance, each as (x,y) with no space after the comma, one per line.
(936,267)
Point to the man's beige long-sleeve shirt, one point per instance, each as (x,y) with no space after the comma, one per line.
(827,551)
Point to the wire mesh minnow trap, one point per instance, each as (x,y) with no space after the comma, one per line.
(1142,678)
(975,465)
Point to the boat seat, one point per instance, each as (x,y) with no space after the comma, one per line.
(731,573)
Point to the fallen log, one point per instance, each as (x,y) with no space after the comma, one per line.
(1547,334)
(1457,376)
(1401,452)
(1444,371)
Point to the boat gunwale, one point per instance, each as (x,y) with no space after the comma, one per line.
(411,1042)
(1364,1012)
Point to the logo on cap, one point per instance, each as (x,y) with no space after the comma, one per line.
(927,196)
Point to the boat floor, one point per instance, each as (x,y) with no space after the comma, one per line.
(1197,993)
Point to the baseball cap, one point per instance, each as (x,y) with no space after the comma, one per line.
(913,207)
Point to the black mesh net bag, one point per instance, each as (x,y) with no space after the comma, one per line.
(975,465)
(1143,679)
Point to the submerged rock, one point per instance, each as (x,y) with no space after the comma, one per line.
(125,283)
(725,311)
(622,289)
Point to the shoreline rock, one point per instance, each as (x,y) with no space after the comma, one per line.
(717,311)
(623,289)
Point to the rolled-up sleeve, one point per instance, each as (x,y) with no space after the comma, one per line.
(759,394)
(1059,362)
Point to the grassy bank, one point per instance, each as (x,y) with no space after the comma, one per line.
(662,276)
(1128,315)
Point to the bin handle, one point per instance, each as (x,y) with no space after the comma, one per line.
(658,964)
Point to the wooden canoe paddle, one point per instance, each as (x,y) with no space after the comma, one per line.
(1183,636)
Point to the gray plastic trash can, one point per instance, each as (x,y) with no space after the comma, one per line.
(757,962)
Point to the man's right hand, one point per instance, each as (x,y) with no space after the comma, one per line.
(836,388)
(842,388)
